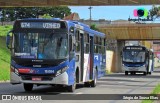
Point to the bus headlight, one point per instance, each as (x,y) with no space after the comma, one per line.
(61,70)
(16,71)
(13,69)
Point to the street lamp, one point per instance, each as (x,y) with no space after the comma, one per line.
(90,14)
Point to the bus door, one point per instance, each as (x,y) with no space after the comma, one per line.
(81,53)
(151,61)
(91,56)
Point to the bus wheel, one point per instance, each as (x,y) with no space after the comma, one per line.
(71,88)
(94,82)
(28,87)
(87,84)
(149,73)
(126,72)
(144,73)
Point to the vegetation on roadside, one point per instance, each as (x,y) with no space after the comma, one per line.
(108,72)
(4,54)
(4,60)
(4,30)
(155,91)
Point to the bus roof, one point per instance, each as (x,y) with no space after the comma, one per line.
(86,28)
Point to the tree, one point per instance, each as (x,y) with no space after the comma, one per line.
(154,12)
(94,27)
(46,16)
(14,13)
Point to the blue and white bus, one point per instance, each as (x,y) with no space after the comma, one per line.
(55,52)
(137,59)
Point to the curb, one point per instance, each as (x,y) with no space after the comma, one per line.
(7,81)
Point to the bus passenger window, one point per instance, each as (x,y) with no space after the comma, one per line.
(86,46)
(77,35)
(104,42)
(99,50)
(70,42)
(77,46)
(95,49)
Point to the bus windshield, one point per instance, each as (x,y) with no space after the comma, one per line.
(134,56)
(40,45)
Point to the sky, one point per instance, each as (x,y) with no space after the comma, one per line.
(107,12)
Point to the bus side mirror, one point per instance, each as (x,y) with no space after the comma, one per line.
(8,40)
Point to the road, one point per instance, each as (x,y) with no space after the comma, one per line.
(116,83)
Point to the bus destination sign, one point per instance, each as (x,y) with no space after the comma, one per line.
(40,25)
(134,48)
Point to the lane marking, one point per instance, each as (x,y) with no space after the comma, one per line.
(120,82)
(79,93)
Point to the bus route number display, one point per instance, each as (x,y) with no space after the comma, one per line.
(134,48)
(40,25)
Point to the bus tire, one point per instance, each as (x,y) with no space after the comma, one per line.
(126,72)
(86,84)
(144,73)
(94,82)
(28,87)
(149,73)
(71,88)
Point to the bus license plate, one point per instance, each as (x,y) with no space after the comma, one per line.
(36,79)
(133,69)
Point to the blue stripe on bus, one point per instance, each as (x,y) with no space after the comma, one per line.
(133,65)
(71,72)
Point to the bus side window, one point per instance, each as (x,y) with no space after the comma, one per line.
(70,42)
(77,41)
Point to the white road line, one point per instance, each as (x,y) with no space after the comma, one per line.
(79,93)
(120,82)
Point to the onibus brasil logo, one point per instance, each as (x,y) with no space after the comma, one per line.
(141,14)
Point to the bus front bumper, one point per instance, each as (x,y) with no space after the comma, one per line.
(61,79)
(136,69)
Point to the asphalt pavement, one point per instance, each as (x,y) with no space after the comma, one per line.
(111,85)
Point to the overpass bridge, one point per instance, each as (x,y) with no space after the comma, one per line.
(6,3)
(149,31)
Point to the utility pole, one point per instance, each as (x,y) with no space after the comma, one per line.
(90,8)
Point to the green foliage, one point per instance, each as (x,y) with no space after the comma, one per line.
(94,27)
(108,72)
(5,29)
(154,12)
(4,60)
(46,16)
(4,54)
(13,13)
(155,91)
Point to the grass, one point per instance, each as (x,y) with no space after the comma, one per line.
(4,54)
(155,91)
(108,72)
(5,29)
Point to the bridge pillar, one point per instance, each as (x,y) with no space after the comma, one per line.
(118,63)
